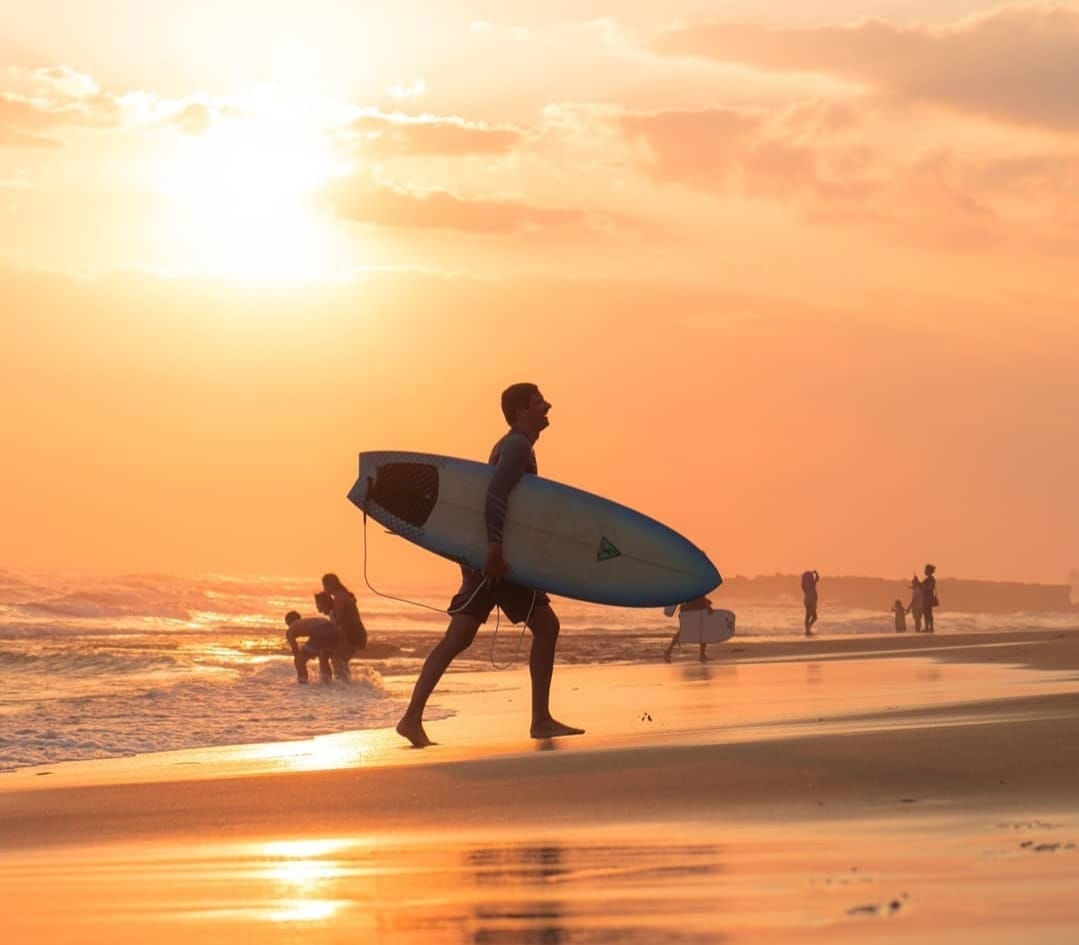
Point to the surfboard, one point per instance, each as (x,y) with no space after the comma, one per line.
(557,538)
(700,626)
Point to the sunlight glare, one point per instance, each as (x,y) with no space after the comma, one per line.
(303,875)
(321,753)
(243,195)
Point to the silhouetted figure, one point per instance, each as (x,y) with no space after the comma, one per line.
(321,643)
(809,589)
(698,603)
(900,617)
(346,617)
(929,596)
(916,608)
(513,456)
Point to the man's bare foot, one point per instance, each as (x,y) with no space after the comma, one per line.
(414,732)
(552,729)
(666,656)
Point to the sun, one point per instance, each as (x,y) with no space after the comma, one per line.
(242,196)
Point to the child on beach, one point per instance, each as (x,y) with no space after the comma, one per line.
(900,617)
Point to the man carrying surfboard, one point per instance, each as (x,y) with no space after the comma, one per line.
(526,412)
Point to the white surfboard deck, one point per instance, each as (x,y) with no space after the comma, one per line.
(557,538)
(703,626)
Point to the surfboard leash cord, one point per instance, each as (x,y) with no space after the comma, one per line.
(437,610)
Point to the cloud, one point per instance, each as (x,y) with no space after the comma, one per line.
(1017,64)
(380,135)
(193,119)
(401,91)
(823,164)
(747,151)
(61,98)
(67,83)
(57,97)
(364,199)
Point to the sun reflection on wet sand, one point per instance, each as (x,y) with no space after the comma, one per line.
(876,881)
(322,753)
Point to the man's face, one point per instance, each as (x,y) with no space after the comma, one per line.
(536,412)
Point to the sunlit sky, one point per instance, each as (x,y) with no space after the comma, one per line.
(799,278)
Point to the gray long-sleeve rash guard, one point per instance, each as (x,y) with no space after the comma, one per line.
(512,457)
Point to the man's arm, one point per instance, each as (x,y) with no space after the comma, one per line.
(514,461)
(290,635)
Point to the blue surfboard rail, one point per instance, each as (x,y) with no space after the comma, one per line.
(559,539)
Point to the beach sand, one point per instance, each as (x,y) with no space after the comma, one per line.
(869,789)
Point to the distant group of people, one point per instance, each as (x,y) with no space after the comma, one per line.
(332,639)
(923,599)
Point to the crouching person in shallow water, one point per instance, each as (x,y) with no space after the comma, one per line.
(321,644)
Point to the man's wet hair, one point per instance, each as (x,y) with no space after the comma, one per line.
(516,397)
(291,617)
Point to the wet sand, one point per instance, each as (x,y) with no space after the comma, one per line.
(858,789)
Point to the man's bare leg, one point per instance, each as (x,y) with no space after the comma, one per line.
(544,626)
(457,638)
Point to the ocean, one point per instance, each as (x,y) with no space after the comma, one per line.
(109,666)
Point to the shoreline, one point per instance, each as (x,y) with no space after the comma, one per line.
(822,791)
(665,728)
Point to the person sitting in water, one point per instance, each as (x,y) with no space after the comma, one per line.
(321,643)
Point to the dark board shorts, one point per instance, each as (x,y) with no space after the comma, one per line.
(477,598)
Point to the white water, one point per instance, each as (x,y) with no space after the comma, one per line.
(98,667)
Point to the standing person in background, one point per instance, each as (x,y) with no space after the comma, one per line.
(929,596)
(809,589)
(346,617)
(699,603)
(916,601)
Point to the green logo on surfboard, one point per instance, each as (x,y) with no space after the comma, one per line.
(606,551)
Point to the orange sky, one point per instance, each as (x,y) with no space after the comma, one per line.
(801,284)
